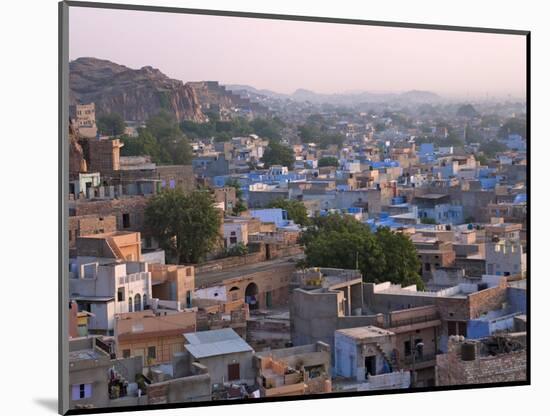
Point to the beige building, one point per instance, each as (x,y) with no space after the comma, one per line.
(85,120)
(120,245)
(173,282)
(154,337)
(294,371)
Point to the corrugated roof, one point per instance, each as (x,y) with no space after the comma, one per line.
(215,335)
(216,342)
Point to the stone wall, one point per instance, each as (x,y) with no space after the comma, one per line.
(487,300)
(186,389)
(88,225)
(452,370)
(134,207)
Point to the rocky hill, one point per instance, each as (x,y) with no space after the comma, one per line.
(136,94)
(212,95)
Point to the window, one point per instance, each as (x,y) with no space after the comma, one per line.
(130,304)
(81,391)
(137,303)
(152,353)
(120,294)
(419,347)
(145,306)
(407,347)
(462,328)
(427,267)
(126,353)
(456,328)
(126,220)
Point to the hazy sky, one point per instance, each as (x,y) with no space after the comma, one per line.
(286,55)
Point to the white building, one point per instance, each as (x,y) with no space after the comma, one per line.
(275,215)
(234,232)
(505,257)
(106,289)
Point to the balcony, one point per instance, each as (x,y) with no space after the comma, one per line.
(420,361)
(413,319)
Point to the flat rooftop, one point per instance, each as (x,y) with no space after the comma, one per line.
(88,354)
(216,277)
(365,332)
(111,234)
(216,342)
(431,196)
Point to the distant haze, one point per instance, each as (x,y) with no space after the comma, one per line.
(287,55)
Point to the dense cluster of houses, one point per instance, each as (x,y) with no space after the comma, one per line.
(143,331)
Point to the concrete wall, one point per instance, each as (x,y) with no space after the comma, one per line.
(345,356)
(505,258)
(517,299)
(217,367)
(314,316)
(195,388)
(91,372)
(388,302)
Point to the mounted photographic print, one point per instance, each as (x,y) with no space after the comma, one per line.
(257,208)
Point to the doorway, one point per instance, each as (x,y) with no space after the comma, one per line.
(233,372)
(370,366)
(251,296)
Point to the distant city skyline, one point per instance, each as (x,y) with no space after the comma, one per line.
(284,56)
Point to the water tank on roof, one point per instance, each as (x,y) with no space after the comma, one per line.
(468,351)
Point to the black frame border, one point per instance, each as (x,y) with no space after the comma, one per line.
(63,208)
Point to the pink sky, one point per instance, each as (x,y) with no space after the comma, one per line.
(286,55)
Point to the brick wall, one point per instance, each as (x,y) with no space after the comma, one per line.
(134,207)
(88,225)
(230,262)
(451,370)
(487,300)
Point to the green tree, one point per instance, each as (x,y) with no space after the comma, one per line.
(309,132)
(144,144)
(186,225)
(240,205)
(327,139)
(467,110)
(173,147)
(268,128)
(111,124)
(470,134)
(401,258)
(344,242)
(492,147)
(514,125)
(278,154)
(239,249)
(327,161)
(297,211)
(482,159)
